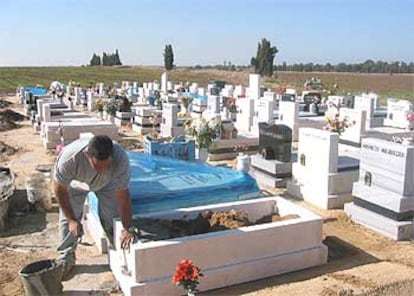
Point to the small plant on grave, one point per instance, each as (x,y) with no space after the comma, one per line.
(338,124)
(187,275)
(111,108)
(410,119)
(204,132)
(186,101)
(231,105)
(99,105)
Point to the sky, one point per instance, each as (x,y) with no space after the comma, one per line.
(204,32)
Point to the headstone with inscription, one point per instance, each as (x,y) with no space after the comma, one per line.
(397,113)
(273,165)
(384,193)
(320,175)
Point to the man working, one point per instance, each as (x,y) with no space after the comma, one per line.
(97,165)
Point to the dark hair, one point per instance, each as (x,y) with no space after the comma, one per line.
(100,147)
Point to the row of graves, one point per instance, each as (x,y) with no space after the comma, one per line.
(59,122)
(372,180)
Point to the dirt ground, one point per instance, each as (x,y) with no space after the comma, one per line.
(361,262)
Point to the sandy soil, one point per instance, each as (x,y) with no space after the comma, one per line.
(361,262)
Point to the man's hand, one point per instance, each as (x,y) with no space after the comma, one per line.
(75,227)
(126,239)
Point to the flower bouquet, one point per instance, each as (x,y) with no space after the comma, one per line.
(187,275)
(337,124)
(99,106)
(111,108)
(204,132)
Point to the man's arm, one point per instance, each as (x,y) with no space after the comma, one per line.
(125,211)
(63,198)
(124,207)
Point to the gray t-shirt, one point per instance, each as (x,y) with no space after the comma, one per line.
(73,164)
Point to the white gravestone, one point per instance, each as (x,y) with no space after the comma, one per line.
(254,86)
(169,124)
(320,176)
(289,115)
(213,104)
(164,82)
(264,113)
(356,129)
(244,117)
(384,193)
(397,111)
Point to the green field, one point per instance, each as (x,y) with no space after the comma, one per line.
(396,85)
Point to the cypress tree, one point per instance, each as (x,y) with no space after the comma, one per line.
(168,57)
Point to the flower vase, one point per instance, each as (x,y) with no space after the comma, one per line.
(201,154)
(191,293)
(111,118)
(101,115)
(243,163)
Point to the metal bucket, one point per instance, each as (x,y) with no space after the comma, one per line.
(42,278)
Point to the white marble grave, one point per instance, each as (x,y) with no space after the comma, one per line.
(225,257)
(320,176)
(384,192)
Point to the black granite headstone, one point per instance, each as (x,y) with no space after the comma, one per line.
(275,141)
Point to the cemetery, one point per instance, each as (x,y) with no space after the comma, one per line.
(224,147)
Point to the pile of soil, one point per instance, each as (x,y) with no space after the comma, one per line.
(207,221)
(8,118)
(6,150)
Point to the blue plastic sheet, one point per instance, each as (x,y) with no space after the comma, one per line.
(161,183)
(36,91)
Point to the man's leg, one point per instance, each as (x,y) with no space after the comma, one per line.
(108,208)
(67,247)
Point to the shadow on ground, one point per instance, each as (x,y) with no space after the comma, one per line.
(341,256)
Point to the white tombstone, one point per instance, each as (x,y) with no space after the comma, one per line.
(239,91)
(101,89)
(269,95)
(169,86)
(168,126)
(244,118)
(213,104)
(164,82)
(356,129)
(89,100)
(289,116)
(367,103)
(254,86)
(194,88)
(384,193)
(397,111)
(201,91)
(264,113)
(318,175)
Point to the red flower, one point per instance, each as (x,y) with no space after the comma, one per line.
(187,274)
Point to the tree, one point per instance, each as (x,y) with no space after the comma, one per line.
(263,62)
(168,57)
(116,59)
(95,61)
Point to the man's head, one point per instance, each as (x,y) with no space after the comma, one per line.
(100,151)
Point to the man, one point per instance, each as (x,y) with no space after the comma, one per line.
(96,165)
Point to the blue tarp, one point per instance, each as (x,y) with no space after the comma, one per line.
(161,183)
(36,91)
